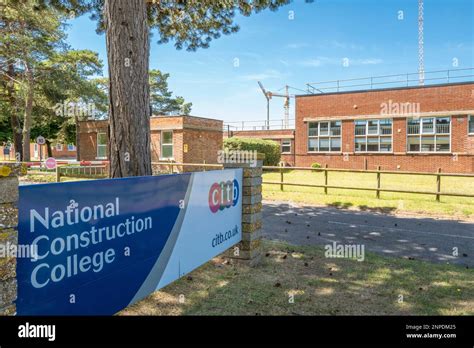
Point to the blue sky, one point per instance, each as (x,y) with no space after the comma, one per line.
(301,43)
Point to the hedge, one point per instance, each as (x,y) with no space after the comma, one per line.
(270,148)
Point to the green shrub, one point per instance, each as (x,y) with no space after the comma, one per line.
(270,148)
(316,165)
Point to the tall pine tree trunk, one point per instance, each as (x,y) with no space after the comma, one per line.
(14,119)
(78,138)
(128,47)
(28,111)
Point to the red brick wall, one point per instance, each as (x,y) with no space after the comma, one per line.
(177,145)
(417,163)
(162,122)
(431,99)
(202,135)
(347,143)
(347,106)
(202,146)
(88,138)
(64,154)
(399,131)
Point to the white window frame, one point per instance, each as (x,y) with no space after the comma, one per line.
(59,147)
(71,149)
(285,145)
(470,119)
(434,134)
(329,137)
(167,144)
(378,135)
(101,145)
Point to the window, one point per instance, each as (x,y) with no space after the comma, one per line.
(413,126)
(373,135)
(286,146)
(101,145)
(429,134)
(166,144)
(427,125)
(71,147)
(324,136)
(471,124)
(59,147)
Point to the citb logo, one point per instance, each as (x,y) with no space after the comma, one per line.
(223,195)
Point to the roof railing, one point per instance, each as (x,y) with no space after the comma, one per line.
(399,80)
(254,125)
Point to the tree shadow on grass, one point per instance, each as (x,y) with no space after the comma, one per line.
(382,210)
(319,285)
(347,205)
(340,205)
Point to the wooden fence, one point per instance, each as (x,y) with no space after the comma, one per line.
(93,172)
(377,189)
(169,168)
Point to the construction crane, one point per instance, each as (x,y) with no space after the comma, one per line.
(421,58)
(268,95)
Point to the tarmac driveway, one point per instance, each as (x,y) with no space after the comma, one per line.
(424,238)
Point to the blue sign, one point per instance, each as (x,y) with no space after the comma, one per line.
(100,246)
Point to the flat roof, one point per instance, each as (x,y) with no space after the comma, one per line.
(385,89)
(204,118)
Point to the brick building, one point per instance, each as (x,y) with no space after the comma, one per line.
(419,128)
(187,139)
(285,137)
(40,152)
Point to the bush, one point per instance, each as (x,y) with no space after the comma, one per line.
(270,148)
(316,165)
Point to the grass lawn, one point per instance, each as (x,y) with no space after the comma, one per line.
(320,286)
(50,177)
(46,178)
(389,202)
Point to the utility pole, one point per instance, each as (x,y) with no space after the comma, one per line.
(421,63)
(268,96)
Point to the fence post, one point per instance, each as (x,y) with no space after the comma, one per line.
(438,185)
(378,182)
(249,249)
(281,177)
(9,195)
(326,179)
(204,166)
(58,174)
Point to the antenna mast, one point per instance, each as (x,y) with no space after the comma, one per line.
(421,66)
(287,108)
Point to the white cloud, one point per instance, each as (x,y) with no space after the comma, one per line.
(265,75)
(322,61)
(334,44)
(345,45)
(367,61)
(296,45)
(310,62)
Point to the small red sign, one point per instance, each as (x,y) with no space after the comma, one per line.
(50,163)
